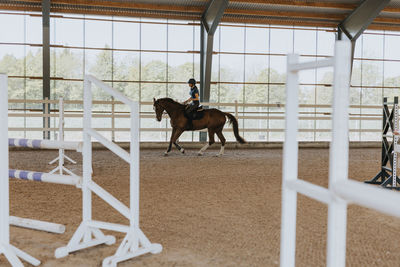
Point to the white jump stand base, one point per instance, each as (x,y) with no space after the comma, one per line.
(65,156)
(87,236)
(129,249)
(14,254)
(84,237)
(62,168)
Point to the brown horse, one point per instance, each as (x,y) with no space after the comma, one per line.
(213,119)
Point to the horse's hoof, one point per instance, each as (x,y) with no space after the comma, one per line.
(183,151)
(165,154)
(199,154)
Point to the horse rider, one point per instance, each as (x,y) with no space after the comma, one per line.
(194,99)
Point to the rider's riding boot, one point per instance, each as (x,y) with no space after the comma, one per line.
(190,123)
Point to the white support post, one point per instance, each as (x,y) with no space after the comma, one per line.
(61,134)
(87,158)
(4,186)
(11,253)
(113,120)
(339,155)
(134,174)
(290,162)
(87,152)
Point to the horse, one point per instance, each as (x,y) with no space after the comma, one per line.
(213,119)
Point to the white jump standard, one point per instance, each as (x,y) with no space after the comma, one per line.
(61,152)
(390,147)
(341,190)
(88,233)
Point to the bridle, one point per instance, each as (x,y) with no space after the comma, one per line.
(164,111)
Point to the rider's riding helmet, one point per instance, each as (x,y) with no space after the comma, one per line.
(192,81)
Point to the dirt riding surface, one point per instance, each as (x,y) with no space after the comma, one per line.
(205,211)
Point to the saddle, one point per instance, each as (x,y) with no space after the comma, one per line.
(198,114)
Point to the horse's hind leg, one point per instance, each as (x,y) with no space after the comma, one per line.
(211,141)
(223,140)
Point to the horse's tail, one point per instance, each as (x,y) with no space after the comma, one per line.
(234,122)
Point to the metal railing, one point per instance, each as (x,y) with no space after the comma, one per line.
(247,114)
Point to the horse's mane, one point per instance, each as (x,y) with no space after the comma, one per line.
(169,100)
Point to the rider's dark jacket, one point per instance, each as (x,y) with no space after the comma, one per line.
(193,92)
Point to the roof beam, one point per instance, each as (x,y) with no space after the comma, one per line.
(125,4)
(358,20)
(213,14)
(300,3)
(195,12)
(317,4)
(289,14)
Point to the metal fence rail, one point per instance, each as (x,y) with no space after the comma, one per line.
(245,112)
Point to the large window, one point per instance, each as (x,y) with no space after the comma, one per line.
(146,58)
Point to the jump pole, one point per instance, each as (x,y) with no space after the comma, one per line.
(54,228)
(44,144)
(45,177)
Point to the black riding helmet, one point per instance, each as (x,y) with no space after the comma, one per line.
(192,81)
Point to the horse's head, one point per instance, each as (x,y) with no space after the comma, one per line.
(158,109)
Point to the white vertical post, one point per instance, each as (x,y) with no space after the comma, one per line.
(61,134)
(290,162)
(87,152)
(113,120)
(134,173)
(4,186)
(339,154)
(236,109)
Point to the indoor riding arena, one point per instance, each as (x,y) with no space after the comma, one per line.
(199,133)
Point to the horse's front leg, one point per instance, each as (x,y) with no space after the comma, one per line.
(176,132)
(170,142)
(179,147)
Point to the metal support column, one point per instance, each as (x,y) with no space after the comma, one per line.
(209,23)
(46,62)
(359,20)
